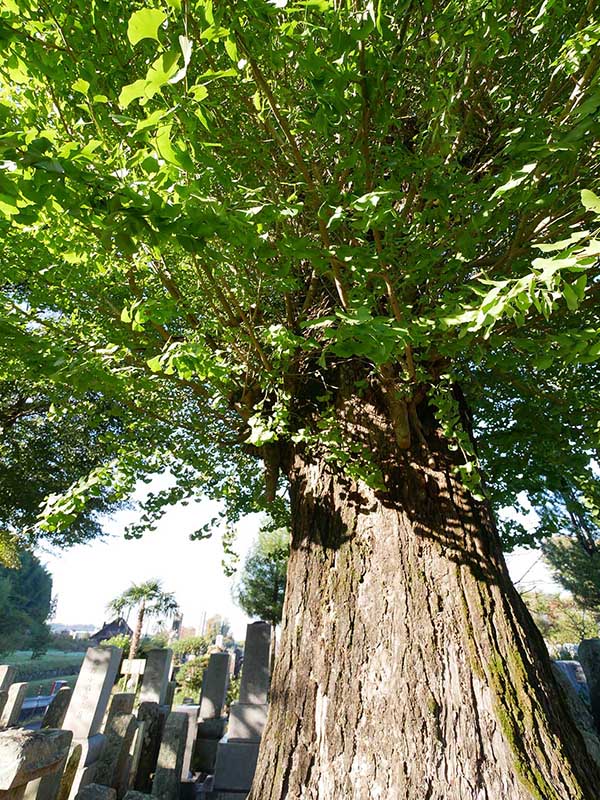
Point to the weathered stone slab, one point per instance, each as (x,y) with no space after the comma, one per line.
(212,728)
(214,686)
(156,676)
(205,755)
(170,694)
(95,791)
(7,676)
(92,691)
(236,764)
(589,656)
(154,719)
(119,703)
(3,699)
(580,713)
(254,685)
(57,710)
(13,705)
(246,722)
(192,729)
(112,764)
(27,755)
(167,777)
(135,755)
(133,794)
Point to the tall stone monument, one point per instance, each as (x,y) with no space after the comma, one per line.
(28,756)
(157,674)
(86,711)
(238,750)
(211,723)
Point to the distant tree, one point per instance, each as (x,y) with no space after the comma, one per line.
(576,568)
(150,601)
(191,646)
(217,626)
(25,605)
(261,586)
(561,620)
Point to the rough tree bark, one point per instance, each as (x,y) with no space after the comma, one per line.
(408,667)
(137,633)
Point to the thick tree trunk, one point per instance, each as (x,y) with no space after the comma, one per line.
(408,666)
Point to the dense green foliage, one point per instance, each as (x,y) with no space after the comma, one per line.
(25,605)
(190,646)
(560,619)
(260,588)
(189,676)
(577,569)
(44,450)
(208,210)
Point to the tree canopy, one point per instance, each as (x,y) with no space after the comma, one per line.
(207,210)
(25,606)
(260,588)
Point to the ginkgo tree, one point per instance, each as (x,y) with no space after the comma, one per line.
(336,238)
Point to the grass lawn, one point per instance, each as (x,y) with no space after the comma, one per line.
(50,660)
(43,686)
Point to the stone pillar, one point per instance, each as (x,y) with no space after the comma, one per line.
(192,715)
(13,705)
(589,657)
(85,715)
(57,710)
(153,718)
(167,778)
(113,765)
(237,752)
(27,756)
(7,676)
(119,703)
(156,676)
(214,686)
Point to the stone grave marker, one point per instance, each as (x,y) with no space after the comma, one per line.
(214,686)
(580,713)
(13,705)
(57,710)
(7,676)
(112,766)
(153,718)
(237,752)
(94,791)
(92,691)
(135,753)
(156,676)
(119,703)
(167,778)
(27,756)
(192,714)
(84,717)
(589,656)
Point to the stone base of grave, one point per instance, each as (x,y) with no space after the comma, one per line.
(208,734)
(246,722)
(236,764)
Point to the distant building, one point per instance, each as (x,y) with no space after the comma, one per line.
(118,627)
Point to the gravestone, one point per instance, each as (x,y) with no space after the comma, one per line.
(13,705)
(57,710)
(214,686)
(153,718)
(580,713)
(85,714)
(170,694)
(589,656)
(27,756)
(237,752)
(119,703)
(156,676)
(92,691)
(192,714)
(94,791)
(112,766)
(7,676)
(135,753)
(3,699)
(167,778)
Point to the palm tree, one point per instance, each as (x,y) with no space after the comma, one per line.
(150,601)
